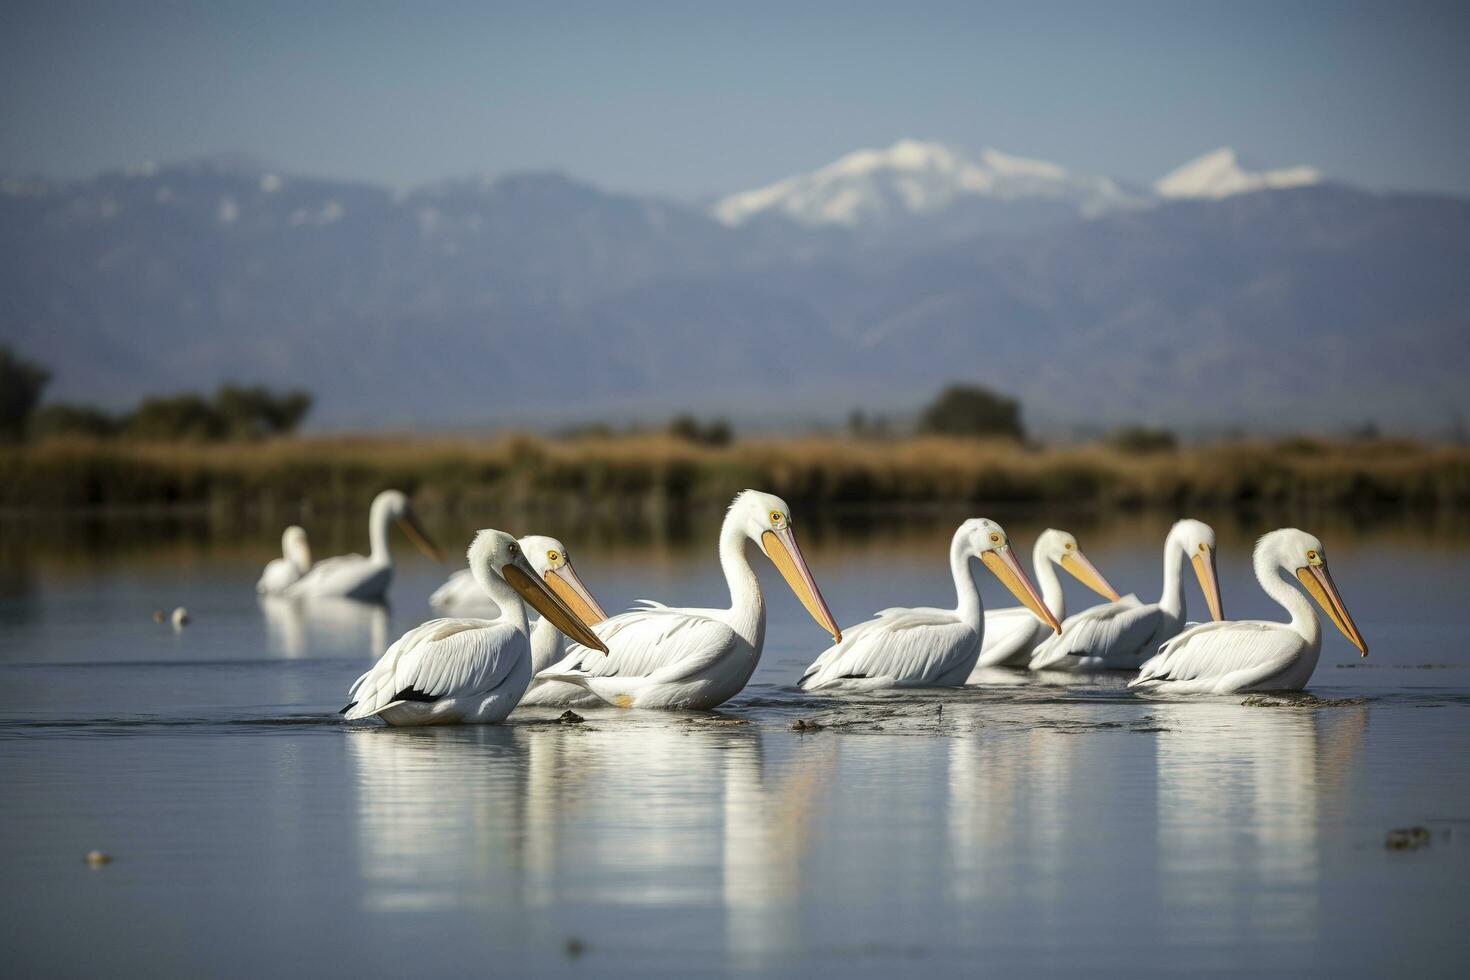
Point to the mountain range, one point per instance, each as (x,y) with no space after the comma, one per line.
(1224,295)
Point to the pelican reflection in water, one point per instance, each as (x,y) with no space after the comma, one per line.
(541,817)
(298,628)
(1243,796)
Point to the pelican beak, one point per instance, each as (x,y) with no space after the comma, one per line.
(1204,570)
(415,532)
(1318,582)
(780,547)
(521,577)
(1085,572)
(1002,563)
(568,587)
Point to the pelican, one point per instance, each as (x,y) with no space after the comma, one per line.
(553,564)
(1119,635)
(929,647)
(1255,655)
(471,671)
(664,657)
(295,561)
(356,577)
(1012,634)
(461,591)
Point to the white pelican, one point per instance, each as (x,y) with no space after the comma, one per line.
(550,559)
(1254,655)
(1012,634)
(356,577)
(1120,635)
(294,562)
(460,592)
(664,657)
(929,647)
(467,670)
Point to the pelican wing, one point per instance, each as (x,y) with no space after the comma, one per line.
(901,645)
(1221,657)
(443,658)
(461,591)
(332,575)
(1113,628)
(660,643)
(1009,633)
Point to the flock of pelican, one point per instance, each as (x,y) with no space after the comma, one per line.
(478,668)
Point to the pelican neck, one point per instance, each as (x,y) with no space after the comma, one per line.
(1045,571)
(747,606)
(968,606)
(1274,582)
(512,607)
(1171,598)
(378,519)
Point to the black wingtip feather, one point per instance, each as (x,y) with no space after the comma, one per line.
(409,694)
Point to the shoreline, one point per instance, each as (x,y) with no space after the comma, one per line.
(656,477)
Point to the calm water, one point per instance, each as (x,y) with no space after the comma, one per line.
(1049,826)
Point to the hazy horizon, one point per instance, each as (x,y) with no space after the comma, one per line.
(1282,289)
(689,103)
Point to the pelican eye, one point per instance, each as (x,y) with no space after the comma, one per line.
(1202,546)
(514,548)
(776,517)
(1311,556)
(994,538)
(552,556)
(1070,546)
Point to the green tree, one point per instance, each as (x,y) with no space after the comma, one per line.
(256,411)
(67,419)
(689,428)
(21,384)
(169,418)
(970,410)
(1142,440)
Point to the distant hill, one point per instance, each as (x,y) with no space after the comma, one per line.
(537,297)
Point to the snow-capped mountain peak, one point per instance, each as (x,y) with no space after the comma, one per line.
(914,177)
(1221,173)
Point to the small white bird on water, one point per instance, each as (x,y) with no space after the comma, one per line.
(1012,634)
(470,671)
(1254,655)
(664,657)
(358,577)
(929,647)
(295,561)
(1121,635)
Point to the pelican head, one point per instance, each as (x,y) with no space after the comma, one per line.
(394,506)
(986,540)
(1197,540)
(549,558)
(497,555)
(766,520)
(1301,554)
(295,549)
(1061,548)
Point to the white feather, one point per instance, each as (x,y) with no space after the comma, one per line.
(473,669)
(898,648)
(1222,658)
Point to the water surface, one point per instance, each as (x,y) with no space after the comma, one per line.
(1047,826)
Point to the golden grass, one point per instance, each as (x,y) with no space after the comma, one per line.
(656,473)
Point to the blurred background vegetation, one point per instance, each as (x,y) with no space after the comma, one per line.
(238,451)
(232,413)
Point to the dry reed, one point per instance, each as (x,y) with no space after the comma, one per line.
(656,473)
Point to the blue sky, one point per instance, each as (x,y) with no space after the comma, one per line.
(689,99)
